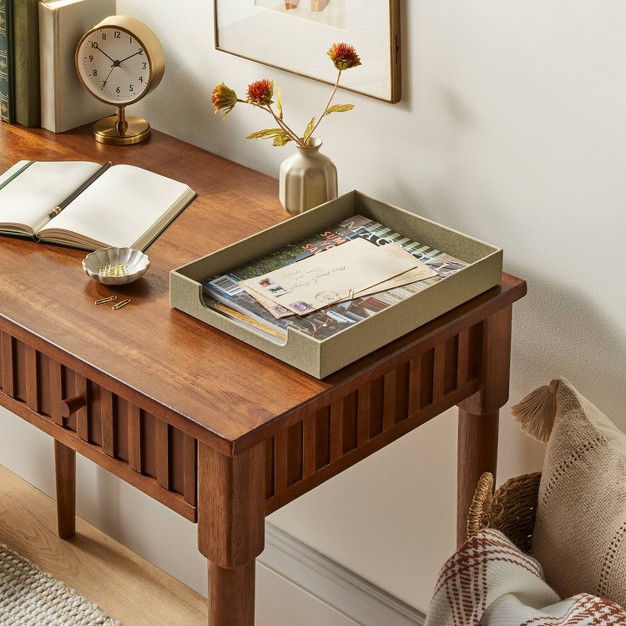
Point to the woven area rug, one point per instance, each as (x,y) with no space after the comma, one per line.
(29,597)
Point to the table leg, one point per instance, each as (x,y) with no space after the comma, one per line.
(231,594)
(477,453)
(65,469)
(478,414)
(231,529)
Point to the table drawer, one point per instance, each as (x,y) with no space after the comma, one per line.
(118,435)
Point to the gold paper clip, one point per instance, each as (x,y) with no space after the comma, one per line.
(119,305)
(103,300)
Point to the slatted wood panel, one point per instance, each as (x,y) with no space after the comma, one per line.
(131,438)
(7,364)
(358,421)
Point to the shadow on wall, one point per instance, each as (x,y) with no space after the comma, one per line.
(559,332)
(180,115)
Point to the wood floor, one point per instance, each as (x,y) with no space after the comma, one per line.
(124,585)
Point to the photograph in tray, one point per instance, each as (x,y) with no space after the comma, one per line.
(226,295)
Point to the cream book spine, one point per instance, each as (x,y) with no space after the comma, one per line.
(65,103)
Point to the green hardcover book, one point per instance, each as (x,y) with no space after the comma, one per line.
(25,17)
(7,93)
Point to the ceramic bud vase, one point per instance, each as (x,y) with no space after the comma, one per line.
(307,178)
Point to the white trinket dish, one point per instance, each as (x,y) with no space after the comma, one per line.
(116,266)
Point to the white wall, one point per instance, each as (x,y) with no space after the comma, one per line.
(512,128)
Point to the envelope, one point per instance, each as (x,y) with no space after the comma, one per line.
(406,278)
(337,274)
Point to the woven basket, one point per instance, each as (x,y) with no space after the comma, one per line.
(511,509)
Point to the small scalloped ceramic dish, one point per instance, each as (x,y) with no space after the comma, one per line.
(116,266)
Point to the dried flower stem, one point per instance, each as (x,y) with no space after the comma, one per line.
(279,121)
(332,95)
(261,92)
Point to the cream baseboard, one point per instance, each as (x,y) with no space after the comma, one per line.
(333,584)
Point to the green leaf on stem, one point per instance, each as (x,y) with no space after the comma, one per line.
(266,134)
(308,130)
(339,108)
(279,136)
(281,140)
(279,104)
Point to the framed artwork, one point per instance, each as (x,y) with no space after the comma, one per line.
(294,35)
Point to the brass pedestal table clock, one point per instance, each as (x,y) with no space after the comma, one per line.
(119,61)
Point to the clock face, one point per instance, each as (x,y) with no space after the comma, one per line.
(113,64)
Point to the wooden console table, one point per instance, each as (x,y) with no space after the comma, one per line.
(212,428)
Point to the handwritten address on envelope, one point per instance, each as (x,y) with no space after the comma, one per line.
(337,274)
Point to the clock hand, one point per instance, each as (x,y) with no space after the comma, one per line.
(97,47)
(132,55)
(109,74)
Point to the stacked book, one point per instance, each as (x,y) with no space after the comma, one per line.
(38,83)
(245,293)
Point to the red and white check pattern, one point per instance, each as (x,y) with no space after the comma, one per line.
(489,582)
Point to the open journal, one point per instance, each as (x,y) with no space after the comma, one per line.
(88,205)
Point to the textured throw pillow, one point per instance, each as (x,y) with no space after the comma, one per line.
(580,532)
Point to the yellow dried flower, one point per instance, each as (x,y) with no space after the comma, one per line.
(223,99)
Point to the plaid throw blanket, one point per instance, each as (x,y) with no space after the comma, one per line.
(488,581)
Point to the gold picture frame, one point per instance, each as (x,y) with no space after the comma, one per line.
(294,35)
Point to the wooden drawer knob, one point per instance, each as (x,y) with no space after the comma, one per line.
(69,406)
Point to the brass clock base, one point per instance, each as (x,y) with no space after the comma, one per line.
(129,131)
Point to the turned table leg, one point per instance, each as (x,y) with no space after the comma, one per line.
(477,453)
(65,469)
(231,530)
(231,594)
(478,414)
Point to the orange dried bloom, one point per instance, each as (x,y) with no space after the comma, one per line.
(223,98)
(344,56)
(261,92)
